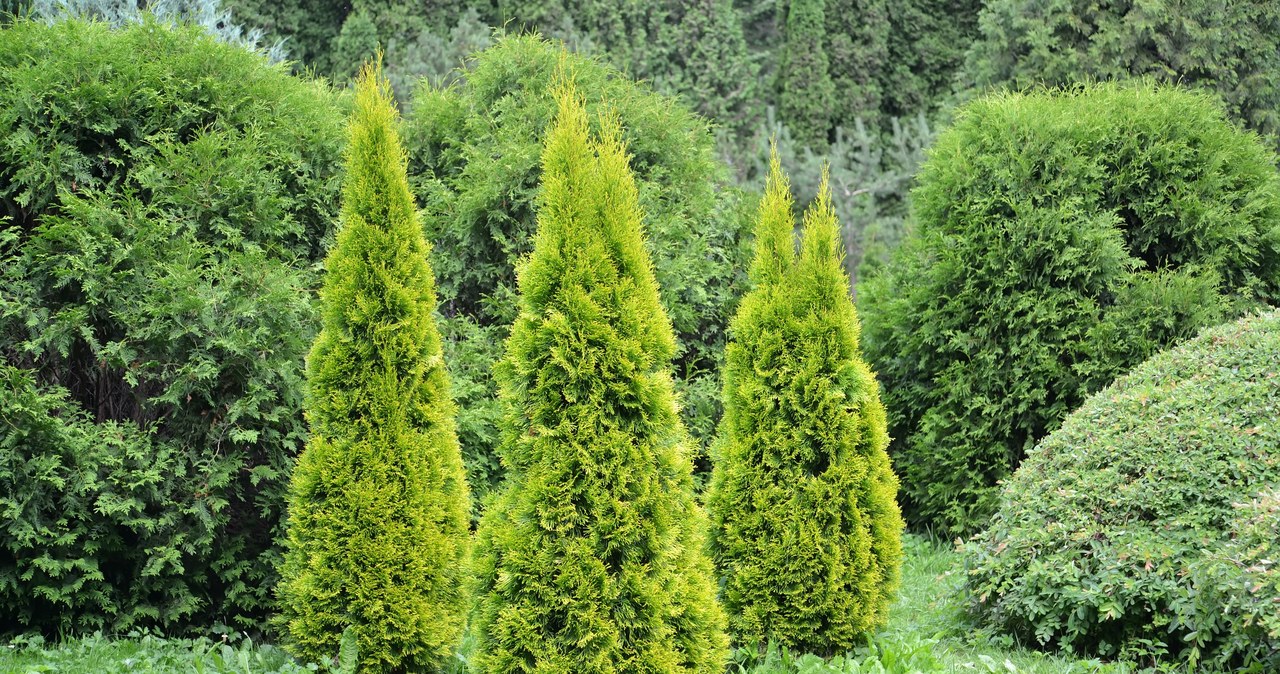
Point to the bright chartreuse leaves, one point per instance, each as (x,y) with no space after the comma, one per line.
(806,531)
(378,537)
(590,558)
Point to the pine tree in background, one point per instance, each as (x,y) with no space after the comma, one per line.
(591,558)
(806,91)
(377,535)
(806,531)
(857,45)
(356,43)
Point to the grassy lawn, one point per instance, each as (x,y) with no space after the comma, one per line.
(926,634)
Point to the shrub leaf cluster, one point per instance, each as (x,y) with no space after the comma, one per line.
(163,198)
(1140,527)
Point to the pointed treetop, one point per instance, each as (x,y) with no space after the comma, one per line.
(820,243)
(775,226)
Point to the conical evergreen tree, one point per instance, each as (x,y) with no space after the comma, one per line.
(377,534)
(806,531)
(807,96)
(592,558)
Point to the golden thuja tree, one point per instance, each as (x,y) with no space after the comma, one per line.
(806,530)
(378,510)
(591,558)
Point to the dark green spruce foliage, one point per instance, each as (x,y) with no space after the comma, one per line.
(163,199)
(1229,48)
(806,94)
(806,532)
(926,46)
(474,152)
(857,48)
(377,533)
(591,558)
(1062,237)
(1145,526)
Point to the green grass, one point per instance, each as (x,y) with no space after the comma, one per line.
(927,634)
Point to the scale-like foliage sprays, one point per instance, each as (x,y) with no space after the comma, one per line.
(806,531)
(591,558)
(377,537)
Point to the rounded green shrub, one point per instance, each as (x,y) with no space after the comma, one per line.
(378,538)
(163,198)
(474,152)
(1062,237)
(1228,48)
(1100,533)
(591,557)
(806,532)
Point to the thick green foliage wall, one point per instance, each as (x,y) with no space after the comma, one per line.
(1145,525)
(378,538)
(806,531)
(474,152)
(163,196)
(1061,238)
(591,558)
(1230,48)
(1237,590)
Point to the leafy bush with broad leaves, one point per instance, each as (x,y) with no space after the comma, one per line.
(474,153)
(1237,588)
(1061,238)
(164,198)
(1228,48)
(1120,535)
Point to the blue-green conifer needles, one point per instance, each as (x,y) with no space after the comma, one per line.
(591,558)
(806,531)
(378,511)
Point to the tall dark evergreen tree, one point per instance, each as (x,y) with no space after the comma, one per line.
(806,530)
(591,558)
(378,515)
(806,92)
(857,46)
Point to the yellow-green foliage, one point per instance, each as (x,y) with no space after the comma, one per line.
(806,531)
(377,536)
(592,558)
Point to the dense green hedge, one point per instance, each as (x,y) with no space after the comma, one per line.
(164,197)
(806,531)
(474,153)
(1062,237)
(1145,526)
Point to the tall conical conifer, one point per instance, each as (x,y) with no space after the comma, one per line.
(378,513)
(806,531)
(591,558)
(807,96)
